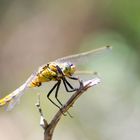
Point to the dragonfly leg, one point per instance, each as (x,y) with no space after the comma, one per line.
(66,83)
(56,96)
(73,78)
(48,95)
(56,93)
(77,78)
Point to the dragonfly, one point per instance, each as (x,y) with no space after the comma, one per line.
(59,70)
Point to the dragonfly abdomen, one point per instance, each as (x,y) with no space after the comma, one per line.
(6,99)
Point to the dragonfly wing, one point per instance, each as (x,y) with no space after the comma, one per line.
(15,96)
(81,58)
(85,72)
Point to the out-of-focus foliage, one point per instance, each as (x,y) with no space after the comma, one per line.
(35,32)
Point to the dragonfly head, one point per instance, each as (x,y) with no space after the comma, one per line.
(69,69)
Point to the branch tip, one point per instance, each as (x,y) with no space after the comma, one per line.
(49,128)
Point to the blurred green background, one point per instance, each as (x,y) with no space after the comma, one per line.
(35,32)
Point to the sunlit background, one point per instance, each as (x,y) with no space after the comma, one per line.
(35,32)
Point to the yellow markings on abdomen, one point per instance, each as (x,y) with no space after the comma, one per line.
(5,100)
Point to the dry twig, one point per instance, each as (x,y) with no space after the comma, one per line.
(49,127)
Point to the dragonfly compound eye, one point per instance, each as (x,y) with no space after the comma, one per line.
(73,68)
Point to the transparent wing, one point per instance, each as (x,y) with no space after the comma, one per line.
(84,57)
(15,96)
(85,72)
